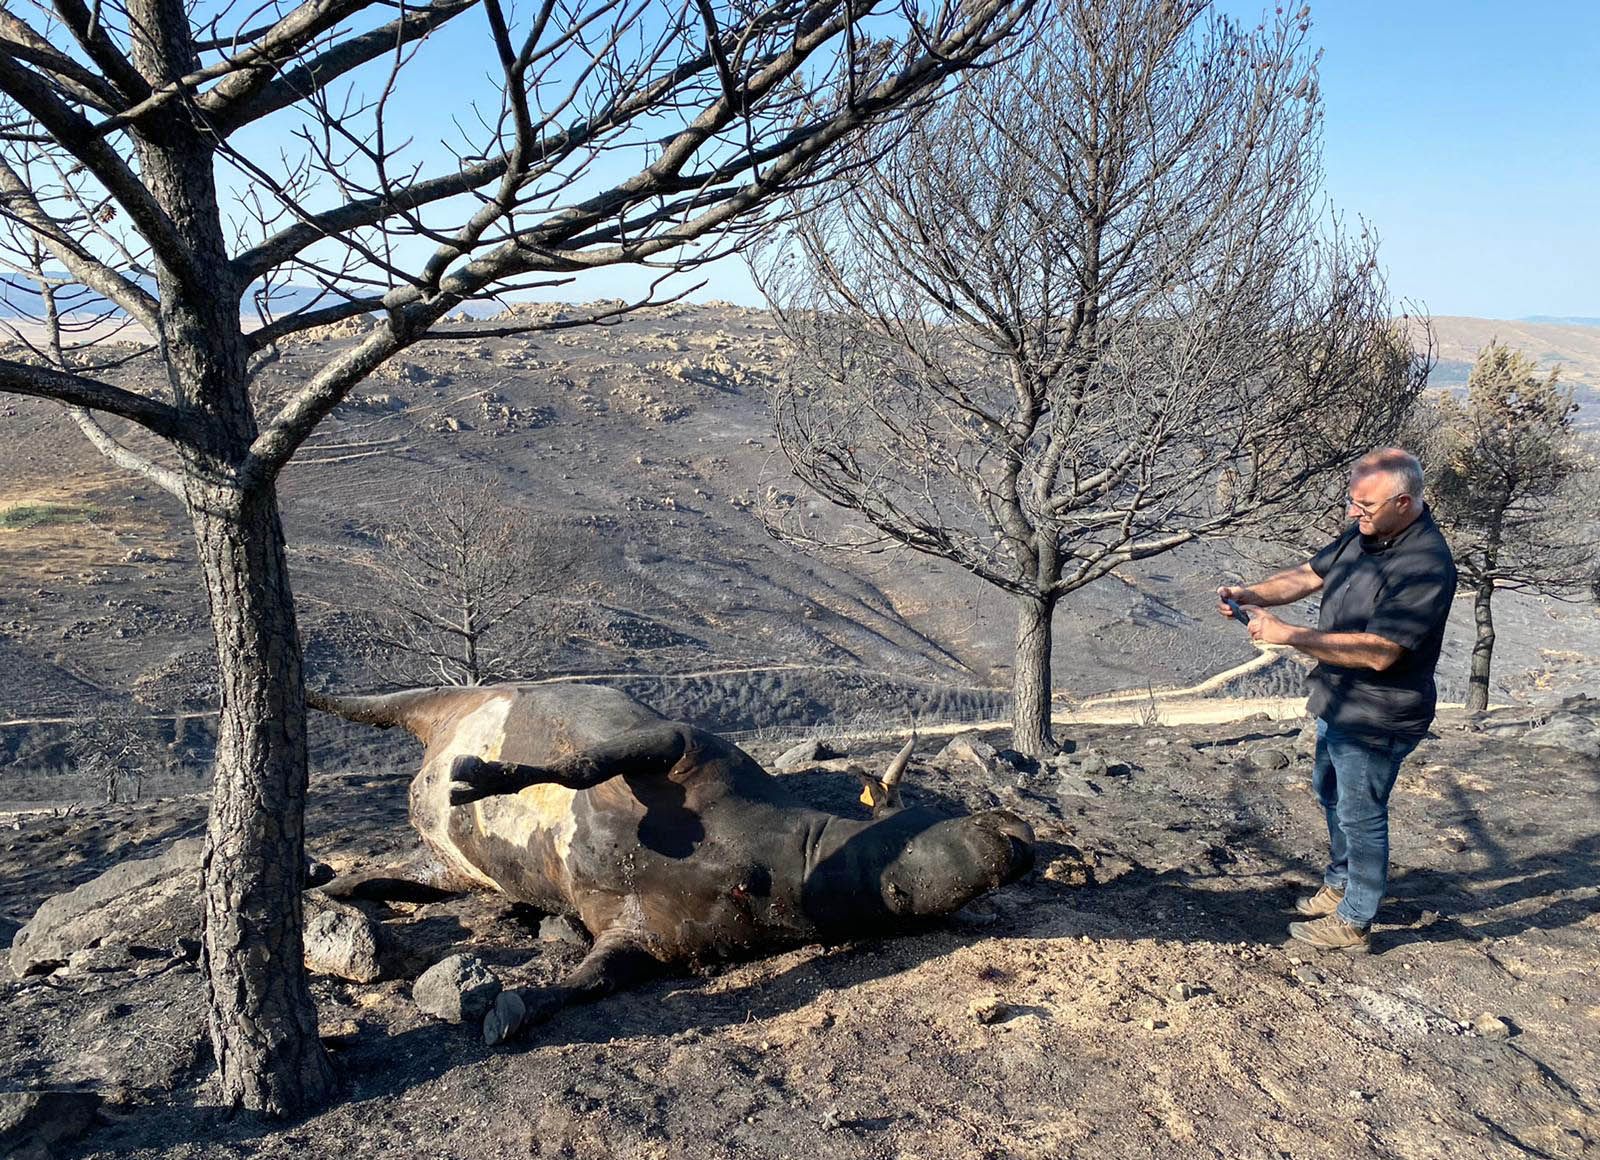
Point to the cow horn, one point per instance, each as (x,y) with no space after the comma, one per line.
(897,767)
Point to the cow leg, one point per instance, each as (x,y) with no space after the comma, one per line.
(386,884)
(647,752)
(416,879)
(615,963)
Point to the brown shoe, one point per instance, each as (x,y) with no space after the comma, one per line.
(1324,901)
(1331,933)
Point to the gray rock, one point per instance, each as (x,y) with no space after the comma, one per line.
(1092,764)
(340,940)
(1070,785)
(459,989)
(33,1123)
(969,748)
(1574,732)
(1273,759)
(1307,975)
(560,928)
(155,902)
(804,754)
(1305,741)
(148,900)
(318,873)
(1492,1026)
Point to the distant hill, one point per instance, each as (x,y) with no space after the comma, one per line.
(1575,320)
(646,448)
(20,298)
(1573,346)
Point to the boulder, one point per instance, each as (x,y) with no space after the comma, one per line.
(1071,785)
(155,903)
(33,1123)
(340,940)
(1092,764)
(969,748)
(804,754)
(149,901)
(1576,732)
(558,928)
(459,989)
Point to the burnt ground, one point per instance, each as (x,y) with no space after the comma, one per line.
(650,445)
(1152,1007)
(647,450)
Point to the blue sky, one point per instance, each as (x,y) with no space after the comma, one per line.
(1467,133)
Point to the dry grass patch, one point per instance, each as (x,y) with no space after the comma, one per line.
(21,516)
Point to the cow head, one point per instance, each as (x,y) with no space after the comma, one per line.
(882,794)
(942,867)
(913,863)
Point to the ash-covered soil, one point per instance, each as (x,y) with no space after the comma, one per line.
(1148,1002)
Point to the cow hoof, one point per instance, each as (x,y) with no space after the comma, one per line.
(462,794)
(505,1019)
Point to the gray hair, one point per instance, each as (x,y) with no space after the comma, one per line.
(1405,467)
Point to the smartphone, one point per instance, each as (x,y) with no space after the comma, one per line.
(1237,610)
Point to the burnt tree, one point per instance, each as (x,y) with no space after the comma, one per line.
(1085,313)
(181,162)
(469,587)
(1516,492)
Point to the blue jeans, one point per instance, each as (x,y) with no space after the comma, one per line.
(1352,778)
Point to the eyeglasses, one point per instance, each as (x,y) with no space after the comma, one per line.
(1370,509)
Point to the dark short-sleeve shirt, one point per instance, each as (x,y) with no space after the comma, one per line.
(1401,590)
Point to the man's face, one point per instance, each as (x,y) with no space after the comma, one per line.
(1378,505)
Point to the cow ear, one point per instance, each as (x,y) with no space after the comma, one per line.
(877,796)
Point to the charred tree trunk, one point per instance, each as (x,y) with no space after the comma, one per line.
(263,1023)
(1030,713)
(1482,648)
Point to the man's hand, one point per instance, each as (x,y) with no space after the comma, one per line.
(1268,629)
(1225,593)
(1281,588)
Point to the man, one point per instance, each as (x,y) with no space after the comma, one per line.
(1386,584)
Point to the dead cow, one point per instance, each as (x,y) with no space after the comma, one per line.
(670,844)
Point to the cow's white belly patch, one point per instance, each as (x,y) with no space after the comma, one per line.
(514,819)
(539,809)
(480,734)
